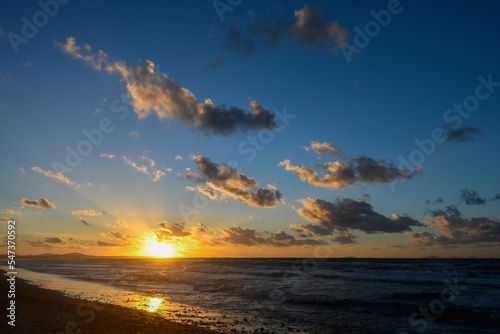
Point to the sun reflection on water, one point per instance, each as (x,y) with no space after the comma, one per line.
(154,303)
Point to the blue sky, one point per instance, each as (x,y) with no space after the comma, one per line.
(375,104)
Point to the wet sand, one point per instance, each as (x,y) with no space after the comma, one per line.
(40,310)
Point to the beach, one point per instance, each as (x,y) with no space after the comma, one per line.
(40,310)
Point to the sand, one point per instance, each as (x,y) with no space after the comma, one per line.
(40,310)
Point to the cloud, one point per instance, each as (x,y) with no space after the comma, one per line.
(11,212)
(21,169)
(216,63)
(249,237)
(83,221)
(237,43)
(471,197)
(242,236)
(135,134)
(5,219)
(324,148)
(155,93)
(344,237)
(496,198)
(309,27)
(167,231)
(120,236)
(54,177)
(54,240)
(354,172)
(109,156)
(38,243)
(208,192)
(89,212)
(462,135)
(28,64)
(438,200)
(41,203)
(230,183)
(312,28)
(347,213)
(179,157)
(5,77)
(450,210)
(106,244)
(121,223)
(456,230)
(151,168)
(98,60)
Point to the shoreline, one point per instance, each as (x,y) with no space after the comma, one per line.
(40,310)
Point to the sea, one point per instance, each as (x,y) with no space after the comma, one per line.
(267,295)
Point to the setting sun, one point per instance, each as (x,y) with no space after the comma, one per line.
(159,249)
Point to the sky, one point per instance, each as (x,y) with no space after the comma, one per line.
(251,128)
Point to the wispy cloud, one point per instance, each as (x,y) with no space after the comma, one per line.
(11,212)
(51,175)
(89,212)
(150,169)
(462,135)
(471,197)
(309,27)
(324,148)
(216,63)
(41,203)
(109,156)
(83,221)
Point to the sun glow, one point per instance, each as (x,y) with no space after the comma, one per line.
(159,249)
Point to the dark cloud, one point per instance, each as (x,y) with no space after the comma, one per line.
(352,172)
(450,210)
(120,236)
(456,230)
(41,203)
(153,93)
(167,230)
(38,243)
(237,43)
(230,183)
(312,28)
(84,221)
(216,63)
(344,237)
(496,198)
(242,236)
(438,200)
(106,244)
(462,135)
(309,27)
(347,213)
(54,240)
(249,237)
(471,197)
